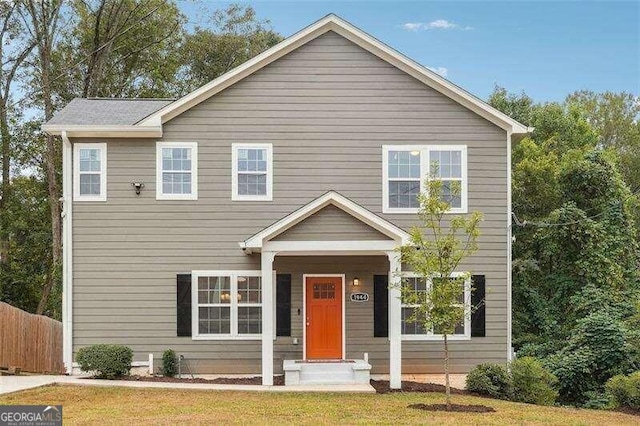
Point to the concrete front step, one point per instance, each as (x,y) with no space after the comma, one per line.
(348,372)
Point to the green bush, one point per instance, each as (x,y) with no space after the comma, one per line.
(169,363)
(598,350)
(491,380)
(625,390)
(108,361)
(532,383)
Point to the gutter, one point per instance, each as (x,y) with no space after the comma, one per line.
(67,253)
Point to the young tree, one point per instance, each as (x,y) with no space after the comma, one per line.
(437,248)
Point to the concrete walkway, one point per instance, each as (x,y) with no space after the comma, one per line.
(20,383)
(10,384)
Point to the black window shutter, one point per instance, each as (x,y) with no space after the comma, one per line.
(478,322)
(380,306)
(283,305)
(184,304)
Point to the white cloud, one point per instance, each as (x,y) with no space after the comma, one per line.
(440,70)
(438,24)
(412,26)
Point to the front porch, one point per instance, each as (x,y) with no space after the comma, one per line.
(326,267)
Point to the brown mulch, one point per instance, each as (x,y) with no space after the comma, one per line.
(382,386)
(628,410)
(459,408)
(277,380)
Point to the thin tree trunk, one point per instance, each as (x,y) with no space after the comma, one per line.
(446,372)
(44,23)
(4,197)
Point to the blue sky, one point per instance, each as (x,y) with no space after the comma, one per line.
(546,48)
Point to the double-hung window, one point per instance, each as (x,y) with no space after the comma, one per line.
(90,171)
(405,168)
(252,172)
(227,304)
(176,171)
(415,330)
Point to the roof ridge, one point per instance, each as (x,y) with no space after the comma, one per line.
(128,99)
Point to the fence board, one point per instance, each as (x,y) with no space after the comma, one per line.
(30,342)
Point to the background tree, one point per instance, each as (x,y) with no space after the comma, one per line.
(435,252)
(234,35)
(119,48)
(576,253)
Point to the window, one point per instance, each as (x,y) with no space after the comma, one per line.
(176,171)
(412,330)
(227,304)
(90,171)
(405,168)
(252,178)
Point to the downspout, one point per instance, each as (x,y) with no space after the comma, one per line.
(67,253)
(509,250)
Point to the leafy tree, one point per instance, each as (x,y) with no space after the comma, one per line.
(615,117)
(119,48)
(235,35)
(435,251)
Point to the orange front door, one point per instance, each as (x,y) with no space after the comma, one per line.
(324,317)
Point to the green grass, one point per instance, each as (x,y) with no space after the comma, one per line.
(93,405)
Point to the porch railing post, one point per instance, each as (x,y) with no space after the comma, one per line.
(267,317)
(395,322)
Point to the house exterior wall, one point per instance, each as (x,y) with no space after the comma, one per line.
(327,108)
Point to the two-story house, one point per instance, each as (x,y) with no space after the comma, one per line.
(255,221)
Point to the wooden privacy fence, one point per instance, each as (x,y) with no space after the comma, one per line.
(30,342)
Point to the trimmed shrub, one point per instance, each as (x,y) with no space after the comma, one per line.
(625,390)
(169,363)
(490,379)
(532,383)
(108,361)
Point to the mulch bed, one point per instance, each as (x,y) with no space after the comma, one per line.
(627,410)
(277,380)
(382,386)
(459,408)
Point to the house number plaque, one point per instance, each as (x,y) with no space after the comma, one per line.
(359,297)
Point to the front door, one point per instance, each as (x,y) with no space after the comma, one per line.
(324,317)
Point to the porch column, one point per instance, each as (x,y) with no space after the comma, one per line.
(267,317)
(395,321)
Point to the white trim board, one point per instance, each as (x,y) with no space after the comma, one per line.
(334,23)
(257,241)
(304,311)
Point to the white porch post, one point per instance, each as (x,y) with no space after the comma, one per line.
(395,321)
(267,317)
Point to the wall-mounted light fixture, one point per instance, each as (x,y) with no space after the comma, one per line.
(356,281)
(137,186)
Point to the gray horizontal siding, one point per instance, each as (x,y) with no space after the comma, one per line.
(327,108)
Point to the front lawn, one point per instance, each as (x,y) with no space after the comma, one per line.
(84,404)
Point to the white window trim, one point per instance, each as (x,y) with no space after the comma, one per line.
(103,171)
(424,172)
(233,335)
(194,171)
(234,172)
(439,337)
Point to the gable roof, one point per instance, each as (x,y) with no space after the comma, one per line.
(151,123)
(334,23)
(106,114)
(330,198)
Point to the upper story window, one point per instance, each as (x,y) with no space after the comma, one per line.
(405,167)
(252,172)
(227,304)
(176,171)
(90,171)
(412,330)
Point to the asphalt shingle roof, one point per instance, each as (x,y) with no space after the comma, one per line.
(106,112)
